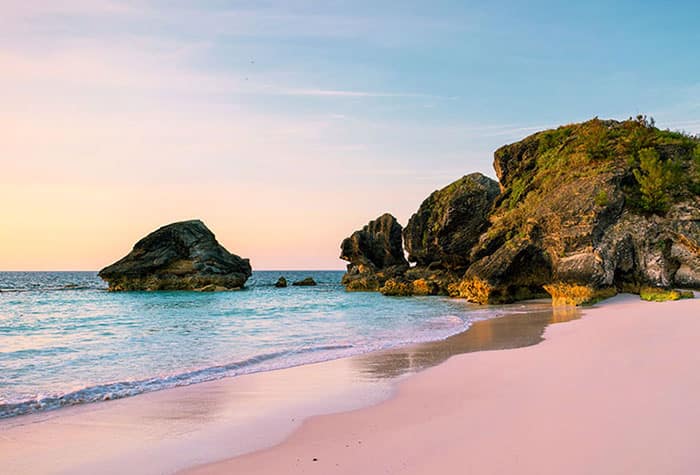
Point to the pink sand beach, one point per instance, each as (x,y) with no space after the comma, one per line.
(613,392)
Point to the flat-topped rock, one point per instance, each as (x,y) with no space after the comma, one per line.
(179,256)
(306,282)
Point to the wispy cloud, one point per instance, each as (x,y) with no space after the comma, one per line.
(505,130)
(145,46)
(690,126)
(152,67)
(263,20)
(14,10)
(345,93)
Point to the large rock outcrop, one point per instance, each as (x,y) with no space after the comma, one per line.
(179,256)
(439,237)
(449,222)
(584,211)
(577,211)
(375,254)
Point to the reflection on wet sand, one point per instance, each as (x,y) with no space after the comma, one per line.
(510,331)
(155,432)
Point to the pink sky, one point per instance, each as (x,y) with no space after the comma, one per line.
(104,141)
(284,126)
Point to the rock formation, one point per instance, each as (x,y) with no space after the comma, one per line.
(584,211)
(281,282)
(449,222)
(440,235)
(305,282)
(374,253)
(576,212)
(179,256)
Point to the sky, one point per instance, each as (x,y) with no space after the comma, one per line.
(287,125)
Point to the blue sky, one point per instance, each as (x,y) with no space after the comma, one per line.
(313,115)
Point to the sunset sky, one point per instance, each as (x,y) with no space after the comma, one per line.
(286,125)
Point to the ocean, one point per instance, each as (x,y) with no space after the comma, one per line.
(66,340)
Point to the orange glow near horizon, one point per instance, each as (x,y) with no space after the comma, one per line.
(98,150)
(69,227)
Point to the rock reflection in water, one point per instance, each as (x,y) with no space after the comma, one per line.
(510,331)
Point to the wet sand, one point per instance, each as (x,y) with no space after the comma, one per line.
(615,392)
(170,430)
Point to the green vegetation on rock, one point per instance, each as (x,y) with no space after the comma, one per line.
(655,294)
(575,294)
(584,210)
(655,179)
(577,206)
(397,288)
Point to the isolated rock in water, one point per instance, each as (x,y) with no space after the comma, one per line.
(281,282)
(374,253)
(306,282)
(179,256)
(449,222)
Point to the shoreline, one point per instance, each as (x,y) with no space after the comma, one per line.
(614,392)
(85,356)
(264,422)
(180,427)
(118,390)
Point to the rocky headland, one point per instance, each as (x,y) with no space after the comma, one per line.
(179,256)
(579,213)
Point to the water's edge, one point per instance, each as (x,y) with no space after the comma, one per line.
(185,427)
(260,363)
(66,341)
(514,326)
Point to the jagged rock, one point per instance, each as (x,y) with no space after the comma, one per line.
(511,273)
(377,244)
(281,282)
(374,253)
(449,222)
(397,288)
(406,287)
(361,278)
(306,282)
(431,280)
(179,256)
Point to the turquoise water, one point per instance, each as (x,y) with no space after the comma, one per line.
(65,340)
